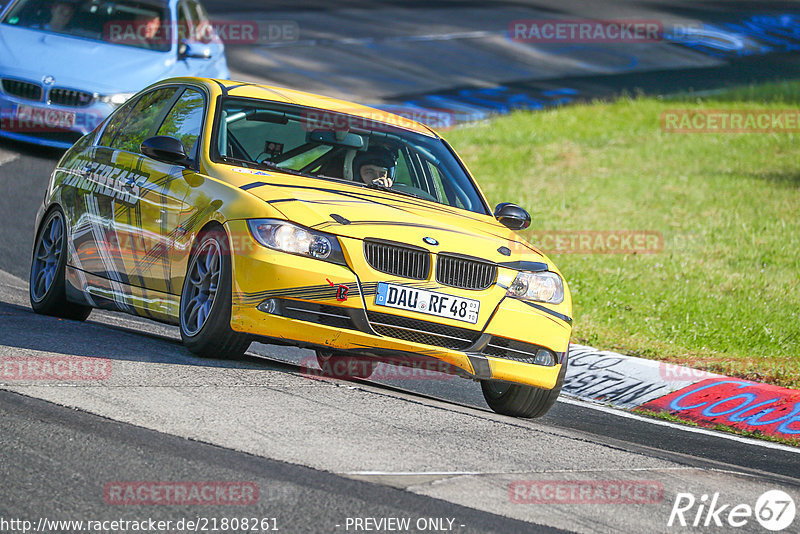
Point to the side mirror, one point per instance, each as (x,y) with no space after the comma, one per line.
(166,149)
(512,216)
(187,49)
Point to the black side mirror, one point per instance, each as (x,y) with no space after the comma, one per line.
(166,149)
(512,216)
(187,49)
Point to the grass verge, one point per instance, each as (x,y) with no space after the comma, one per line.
(724,293)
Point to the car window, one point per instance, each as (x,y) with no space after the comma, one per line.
(124,22)
(329,145)
(194,24)
(116,120)
(143,119)
(254,134)
(204,29)
(185,120)
(402,174)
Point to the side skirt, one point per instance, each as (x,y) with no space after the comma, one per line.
(99,292)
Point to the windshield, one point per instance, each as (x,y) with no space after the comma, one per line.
(334,146)
(129,23)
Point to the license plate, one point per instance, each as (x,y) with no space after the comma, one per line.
(430,302)
(45,118)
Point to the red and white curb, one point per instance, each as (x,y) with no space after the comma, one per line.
(708,399)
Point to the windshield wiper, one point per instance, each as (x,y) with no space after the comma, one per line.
(380,187)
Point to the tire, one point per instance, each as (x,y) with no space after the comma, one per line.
(47,287)
(335,365)
(518,400)
(205,310)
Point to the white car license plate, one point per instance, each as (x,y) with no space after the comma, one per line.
(430,302)
(45,118)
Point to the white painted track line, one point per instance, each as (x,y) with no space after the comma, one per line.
(7,157)
(686,428)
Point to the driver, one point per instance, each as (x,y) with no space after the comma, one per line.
(61,13)
(148,26)
(376,165)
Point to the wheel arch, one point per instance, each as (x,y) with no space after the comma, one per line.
(41,215)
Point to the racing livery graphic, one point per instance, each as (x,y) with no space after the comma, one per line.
(220,207)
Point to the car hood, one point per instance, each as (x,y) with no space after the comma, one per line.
(76,63)
(354,211)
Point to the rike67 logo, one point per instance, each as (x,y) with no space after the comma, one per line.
(774,510)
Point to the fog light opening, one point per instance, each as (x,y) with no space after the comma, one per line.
(545,357)
(269,306)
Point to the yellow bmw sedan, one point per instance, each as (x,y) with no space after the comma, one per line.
(243,212)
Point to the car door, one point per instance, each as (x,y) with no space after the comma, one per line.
(89,197)
(184,205)
(136,241)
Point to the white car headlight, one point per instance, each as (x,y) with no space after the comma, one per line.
(116,99)
(288,237)
(541,287)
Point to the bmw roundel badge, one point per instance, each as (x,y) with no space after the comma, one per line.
(430,241)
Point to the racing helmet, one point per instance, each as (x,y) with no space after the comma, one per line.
(379,156)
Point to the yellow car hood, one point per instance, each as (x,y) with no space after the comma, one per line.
(357,212)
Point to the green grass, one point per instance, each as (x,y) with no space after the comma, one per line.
(724,295)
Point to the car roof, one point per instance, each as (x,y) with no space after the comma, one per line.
(311,100)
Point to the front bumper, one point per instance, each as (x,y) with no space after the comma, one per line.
(48,125)
(303,306)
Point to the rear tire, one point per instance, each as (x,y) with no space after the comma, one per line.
(47,286)
(518,400)
(205,311)
(336,365)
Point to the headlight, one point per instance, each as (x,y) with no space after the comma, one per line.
(541,287)
(288,237)
(116,99)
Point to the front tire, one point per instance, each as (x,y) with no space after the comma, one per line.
(518,400)
(205,311)
(47,285)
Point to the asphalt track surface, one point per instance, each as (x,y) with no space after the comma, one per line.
(323,451)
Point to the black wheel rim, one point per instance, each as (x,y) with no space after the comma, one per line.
(47,257)
(201,287)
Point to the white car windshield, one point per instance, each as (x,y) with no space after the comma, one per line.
(129,23)
(335,146)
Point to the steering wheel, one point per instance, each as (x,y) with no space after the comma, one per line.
(414,191)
